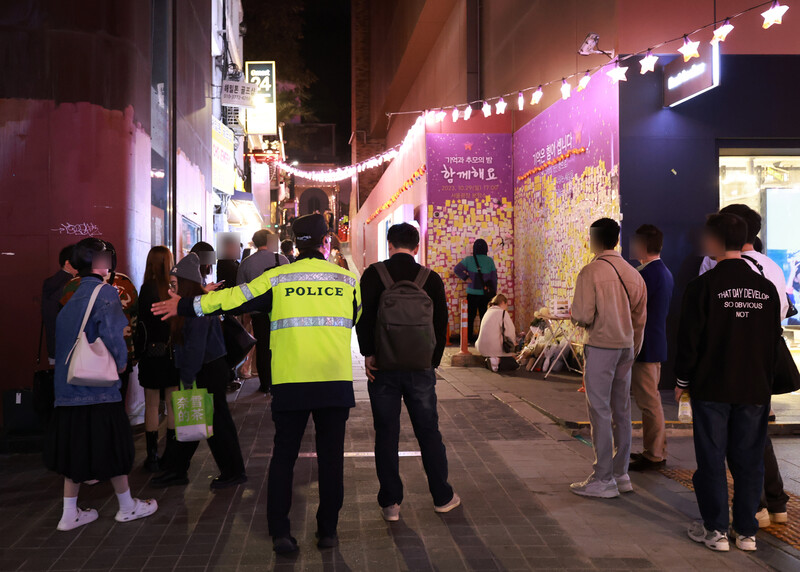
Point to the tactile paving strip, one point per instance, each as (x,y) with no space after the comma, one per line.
(788,533)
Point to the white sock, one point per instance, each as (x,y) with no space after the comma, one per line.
(70,508)
(126,502)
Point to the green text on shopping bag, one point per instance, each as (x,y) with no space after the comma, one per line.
(194,413)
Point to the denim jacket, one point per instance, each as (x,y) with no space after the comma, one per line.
(202,343)
(106,321)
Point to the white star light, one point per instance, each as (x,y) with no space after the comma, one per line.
(648,62)
(520,101)
(617,73)
(537,96)
(487,109)
(774,15)
(500,106)
(722,32)
(467,112)
(584,81)
(689,49)
(455,114)
(566,89)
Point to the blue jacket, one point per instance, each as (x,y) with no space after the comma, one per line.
(106,321)
(202,343)
(659,283)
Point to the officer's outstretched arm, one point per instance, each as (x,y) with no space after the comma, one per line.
(230,298)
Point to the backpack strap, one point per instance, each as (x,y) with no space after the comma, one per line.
(422,276)
(383,272)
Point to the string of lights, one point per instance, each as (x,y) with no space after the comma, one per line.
(497,104)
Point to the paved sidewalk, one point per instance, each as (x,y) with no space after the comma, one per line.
(510,464)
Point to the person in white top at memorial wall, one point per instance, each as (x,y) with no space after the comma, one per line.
(611,303)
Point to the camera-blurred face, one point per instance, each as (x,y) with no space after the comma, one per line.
(326,247)
(712,246)
(173,283)
(638,249)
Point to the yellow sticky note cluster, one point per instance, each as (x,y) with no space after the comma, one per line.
(454,226)
(551,224)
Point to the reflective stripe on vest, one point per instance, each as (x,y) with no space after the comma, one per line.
(311,321)
(312,277)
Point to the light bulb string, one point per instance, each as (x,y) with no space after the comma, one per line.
(617,59)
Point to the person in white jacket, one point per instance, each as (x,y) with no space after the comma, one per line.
(490,337)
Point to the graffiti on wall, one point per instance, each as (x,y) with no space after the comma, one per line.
(470,196)
(79,229)
(566,171)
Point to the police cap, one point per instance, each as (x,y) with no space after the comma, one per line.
(310,230)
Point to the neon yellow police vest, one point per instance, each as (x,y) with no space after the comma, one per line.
(313,308)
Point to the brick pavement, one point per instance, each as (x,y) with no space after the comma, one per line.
(510,464)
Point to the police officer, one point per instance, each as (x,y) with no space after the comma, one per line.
(312,306)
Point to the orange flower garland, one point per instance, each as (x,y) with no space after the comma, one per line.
(393,199)
(551,162)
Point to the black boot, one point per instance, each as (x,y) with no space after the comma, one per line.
(151,464)
(168,449)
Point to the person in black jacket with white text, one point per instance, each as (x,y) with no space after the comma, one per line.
(727,341)
(415,384)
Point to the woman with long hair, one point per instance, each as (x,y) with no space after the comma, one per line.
(200,356)
(157,371)
(90,437)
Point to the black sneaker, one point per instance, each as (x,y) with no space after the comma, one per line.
(641,463)
(327,541)
(169,479)
(223,482)
(284,545)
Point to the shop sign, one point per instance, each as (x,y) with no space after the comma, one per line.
(685,80)
(262,117)
(238,93)
(222,161)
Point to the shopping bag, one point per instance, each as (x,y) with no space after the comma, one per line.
(194,413)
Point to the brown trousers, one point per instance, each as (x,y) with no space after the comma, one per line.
(644,386)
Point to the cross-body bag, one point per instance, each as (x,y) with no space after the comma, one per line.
(508,343)
(786,377)
(91,364)
(489,288)
(621,281)
(792,310)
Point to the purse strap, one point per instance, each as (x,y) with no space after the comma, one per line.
(92,299)
(503,325)
(621,281)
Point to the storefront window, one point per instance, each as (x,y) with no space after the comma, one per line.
(770,184)
(160,156)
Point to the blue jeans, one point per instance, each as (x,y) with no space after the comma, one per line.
(418,390)
(738,433)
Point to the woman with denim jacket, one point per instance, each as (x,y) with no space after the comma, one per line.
(90,437)
(200,356)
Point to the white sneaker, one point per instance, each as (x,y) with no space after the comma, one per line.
(746,543)
(454,502)
(713,539)
(624,484)
(763,518)
(595,488)
(81,517)
(141,509)
(391,513)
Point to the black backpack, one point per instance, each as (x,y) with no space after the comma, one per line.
(404,335)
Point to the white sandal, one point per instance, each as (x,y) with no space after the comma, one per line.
(81,517)
(141,509)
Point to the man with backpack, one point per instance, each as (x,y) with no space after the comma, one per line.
(402,335)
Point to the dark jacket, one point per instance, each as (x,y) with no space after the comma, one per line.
(202,344)
(400,267)
(728,335)
(157,330)
(659,283)
(52,289)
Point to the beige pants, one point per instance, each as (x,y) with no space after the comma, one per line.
(644,386)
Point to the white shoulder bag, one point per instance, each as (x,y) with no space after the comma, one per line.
(92,365)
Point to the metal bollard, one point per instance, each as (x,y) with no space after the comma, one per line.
(464,328)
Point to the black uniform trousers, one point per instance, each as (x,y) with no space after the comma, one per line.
(224,444)
(329,429)
(263,353)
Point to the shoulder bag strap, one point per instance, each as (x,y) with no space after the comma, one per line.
(383,272)
(755,263)
(621,281)
(477,264)
(41,335)
(503,325)
(86,317)
(422,276)
(277,260)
